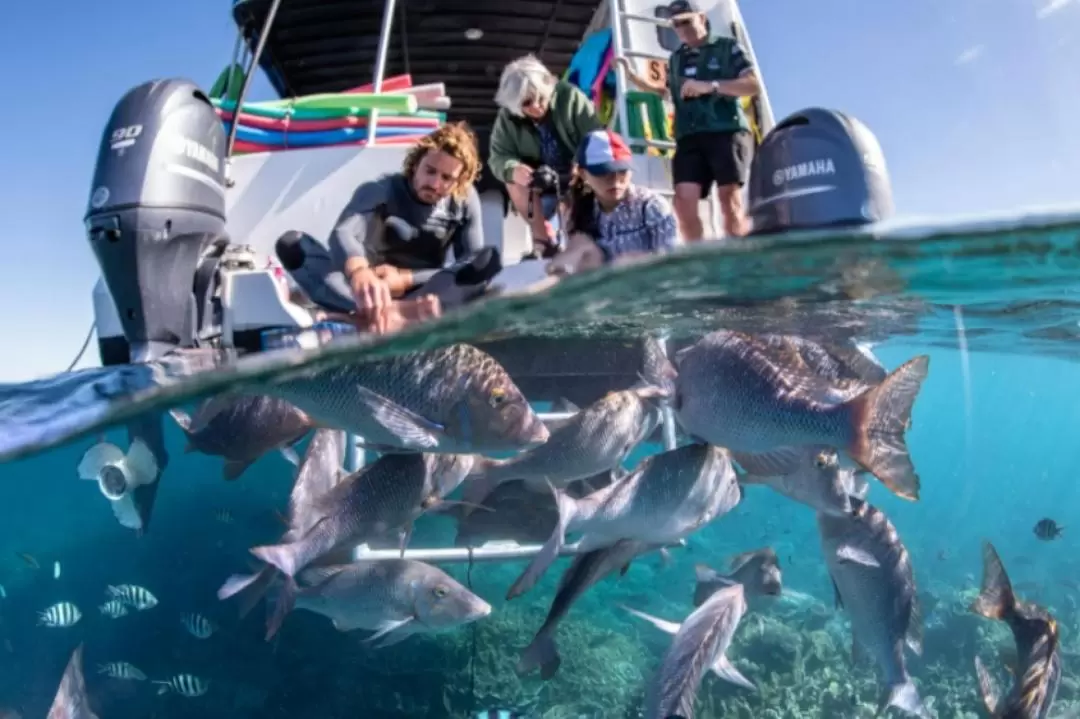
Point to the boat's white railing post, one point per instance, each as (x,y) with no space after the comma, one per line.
(621,116)
(671,438)
(380,65)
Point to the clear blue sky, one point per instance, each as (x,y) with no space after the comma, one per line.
(975,103)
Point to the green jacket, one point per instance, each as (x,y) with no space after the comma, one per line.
(719,58)
(515,140)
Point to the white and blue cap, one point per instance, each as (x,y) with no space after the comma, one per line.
(818,168)
(603,152)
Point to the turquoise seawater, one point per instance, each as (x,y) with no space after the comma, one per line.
(992,438)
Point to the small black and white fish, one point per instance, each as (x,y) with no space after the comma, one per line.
(114,609)
(224,516)
(187,685)
(61,614)
(499,714)
(198,626)
(122,670)
(3,592)
(1048,530)
(140,598)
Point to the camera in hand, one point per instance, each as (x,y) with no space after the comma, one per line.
(544,180)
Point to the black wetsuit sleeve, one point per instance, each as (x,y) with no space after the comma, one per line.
(354,232)
(469,237)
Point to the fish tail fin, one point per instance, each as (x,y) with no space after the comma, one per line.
(996,599)
(904,696)
(280,607)
(481,482)
(251,586)
(879,418)
(543,653)
(290,557)
(567,508)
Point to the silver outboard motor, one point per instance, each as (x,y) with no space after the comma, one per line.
(156,219)
(818,168)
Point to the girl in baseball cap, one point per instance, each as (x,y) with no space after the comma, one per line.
(610,218)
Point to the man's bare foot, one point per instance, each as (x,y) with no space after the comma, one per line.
(400,314)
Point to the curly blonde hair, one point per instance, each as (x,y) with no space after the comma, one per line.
(457,140)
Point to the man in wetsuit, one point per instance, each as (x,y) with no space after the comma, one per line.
(392,239)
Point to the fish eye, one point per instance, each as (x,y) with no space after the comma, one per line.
(824,459)
(497,397)
(439,592)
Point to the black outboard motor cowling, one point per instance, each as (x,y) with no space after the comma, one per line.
(157,213)
(818,168)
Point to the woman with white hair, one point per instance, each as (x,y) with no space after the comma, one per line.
(542,121)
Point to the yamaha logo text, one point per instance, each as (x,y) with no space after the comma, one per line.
(813,168)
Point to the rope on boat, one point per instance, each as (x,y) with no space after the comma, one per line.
(85,344)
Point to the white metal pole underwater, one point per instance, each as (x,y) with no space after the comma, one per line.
(380,64)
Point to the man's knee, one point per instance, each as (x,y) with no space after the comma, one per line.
(687,198)
(733,210)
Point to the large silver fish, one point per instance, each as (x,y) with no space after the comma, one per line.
(700,645)
(665,498)
(242,429)
(455,399)
(586,570)
(1038,647)
(596,439)
(807,474)
(758,571)
(874,582)
(71,701)
(755,396)
(384,496)
(319,471)
(395,598)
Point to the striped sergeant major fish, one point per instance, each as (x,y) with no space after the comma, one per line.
(62,614)
(122,670)
(187,685)
(134,596)
(1038,646)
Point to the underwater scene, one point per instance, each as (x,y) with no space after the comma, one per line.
(837,481)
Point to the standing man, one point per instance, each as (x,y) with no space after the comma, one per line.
(707,75)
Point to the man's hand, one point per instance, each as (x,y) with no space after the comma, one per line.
(695,88)
(398,280)
(370,291)
(522,175)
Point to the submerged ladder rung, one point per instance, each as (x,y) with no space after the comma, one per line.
(492,551)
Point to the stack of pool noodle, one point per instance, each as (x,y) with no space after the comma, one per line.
(328,120)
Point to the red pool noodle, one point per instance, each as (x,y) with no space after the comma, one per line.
(389,84)
(242,146)
(288,124)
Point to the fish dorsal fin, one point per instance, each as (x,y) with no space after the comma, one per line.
(724,669)
(661,624)
(705,573)
(182,419)
(319,575)
(915,626)
(740,560)
(856,555)
(987,687)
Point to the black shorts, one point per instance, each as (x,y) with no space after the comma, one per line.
(705,158)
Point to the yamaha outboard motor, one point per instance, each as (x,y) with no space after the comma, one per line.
(818,168)
(156,218)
